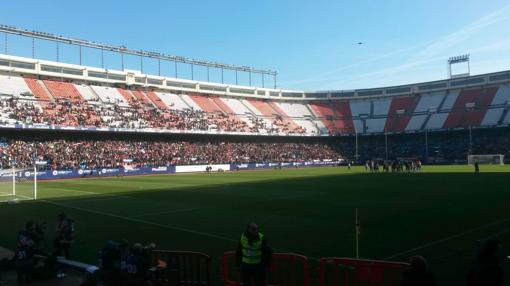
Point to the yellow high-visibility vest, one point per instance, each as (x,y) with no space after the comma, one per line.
(252,253)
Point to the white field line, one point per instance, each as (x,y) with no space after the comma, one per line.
(98,199)
(167,212)
(136,220)
(92,193)
(444,239)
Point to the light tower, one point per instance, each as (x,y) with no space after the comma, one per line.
(458,60)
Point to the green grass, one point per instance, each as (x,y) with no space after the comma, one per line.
(439,213)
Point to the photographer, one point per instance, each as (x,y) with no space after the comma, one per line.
(65,235)
(23,260)
(29,261)
(33,232)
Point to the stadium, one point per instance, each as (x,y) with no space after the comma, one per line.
(348,185)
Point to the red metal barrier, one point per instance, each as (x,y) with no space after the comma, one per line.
(181,268)
(348,271)
(287,269)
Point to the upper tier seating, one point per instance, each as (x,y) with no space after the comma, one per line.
(13,85)
(54,102)
(110,95)
(173,101)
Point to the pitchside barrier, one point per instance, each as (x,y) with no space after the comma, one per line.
(287,269)
(179,268)
(348,271)
(156,170)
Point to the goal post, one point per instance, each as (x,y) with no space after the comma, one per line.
(18,184)
(491,159)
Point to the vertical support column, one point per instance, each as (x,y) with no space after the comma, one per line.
(274,77)
(356,155)
(192,73)
(35,171)
(13,179)
(58,52)
(122,61)
(208,74)
(470,151)
(175,67)
(35,180)
(159,67)
(426,145)
(357,230)
(5,43)
(386,144)
(33,48)
(80,55)
(102,58)
(222,81)
(249,77)
(262,80)
(141,64)
(236,77)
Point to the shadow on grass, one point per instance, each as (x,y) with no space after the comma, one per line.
(308,214)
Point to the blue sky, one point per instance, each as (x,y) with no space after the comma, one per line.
(312,44)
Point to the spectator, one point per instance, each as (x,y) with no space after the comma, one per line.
(487,271)
(65,235)
(417,274)
(88,154)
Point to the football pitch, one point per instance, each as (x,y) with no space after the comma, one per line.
(439,213)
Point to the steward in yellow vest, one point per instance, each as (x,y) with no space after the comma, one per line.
(253,256)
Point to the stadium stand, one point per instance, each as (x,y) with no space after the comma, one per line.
(324,111)
(156,100)
(399,113)
(87,93)
(189,102)
(91,154)
(110,95)
(205,103)
(173,101)
(93,105)
(469,108)
(343,123)
(37,89)
(13,85)
(300,114)
(63,90)
(38,100)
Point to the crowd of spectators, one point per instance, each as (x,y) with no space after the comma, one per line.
(136,115)
(440,147)
(68,154)
(432,147)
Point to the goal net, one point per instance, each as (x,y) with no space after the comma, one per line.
(18,184)
(496,159)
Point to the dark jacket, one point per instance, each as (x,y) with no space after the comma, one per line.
(485,274)
(418,278)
